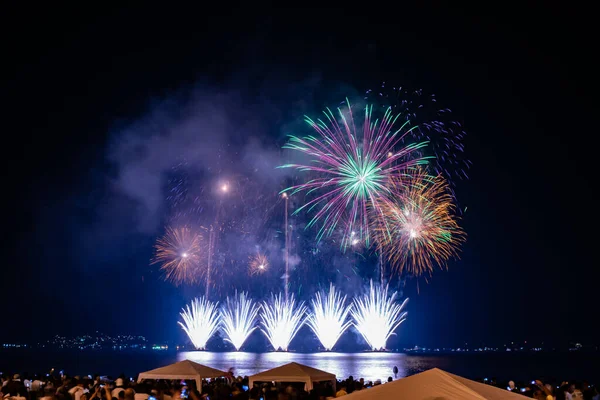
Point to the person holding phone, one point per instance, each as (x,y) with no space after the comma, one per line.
(101,392)
(153,395)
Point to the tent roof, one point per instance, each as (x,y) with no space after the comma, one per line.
(181,370)
(434,384)
(292,372)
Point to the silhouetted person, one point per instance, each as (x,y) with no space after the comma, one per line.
(15,387)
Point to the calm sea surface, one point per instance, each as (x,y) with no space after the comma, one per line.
(371,366)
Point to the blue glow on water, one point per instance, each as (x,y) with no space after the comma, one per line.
(370,366)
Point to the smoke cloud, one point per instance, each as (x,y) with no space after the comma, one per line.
(213,132)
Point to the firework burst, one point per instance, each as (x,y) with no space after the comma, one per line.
(281,319)
(178,252)
(239,319)
(200,321)
(329,317)
(377,315)
(421,229)
(258,264)
(434,123)
(352,170)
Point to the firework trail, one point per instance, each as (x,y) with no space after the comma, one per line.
(200,321)
(287,248)
(215,228)
(178,252)
(329,317)
(435,124)
(258,264)
(351,170)
(281,320)
(239,319)
(421,228)
(377,315)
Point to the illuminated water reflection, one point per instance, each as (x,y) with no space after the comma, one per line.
(370,366)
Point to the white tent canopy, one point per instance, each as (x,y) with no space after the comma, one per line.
(293,372)
(434,384)
(185,369)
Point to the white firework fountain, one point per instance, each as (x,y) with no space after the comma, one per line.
(377,315)
(238,318)
(200,321)
(329,317)
(281,319)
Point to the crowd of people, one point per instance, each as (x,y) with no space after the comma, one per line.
(63,387)
(536,389)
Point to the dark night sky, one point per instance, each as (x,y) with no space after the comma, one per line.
(76,78)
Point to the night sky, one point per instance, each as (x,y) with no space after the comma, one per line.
(84,179)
